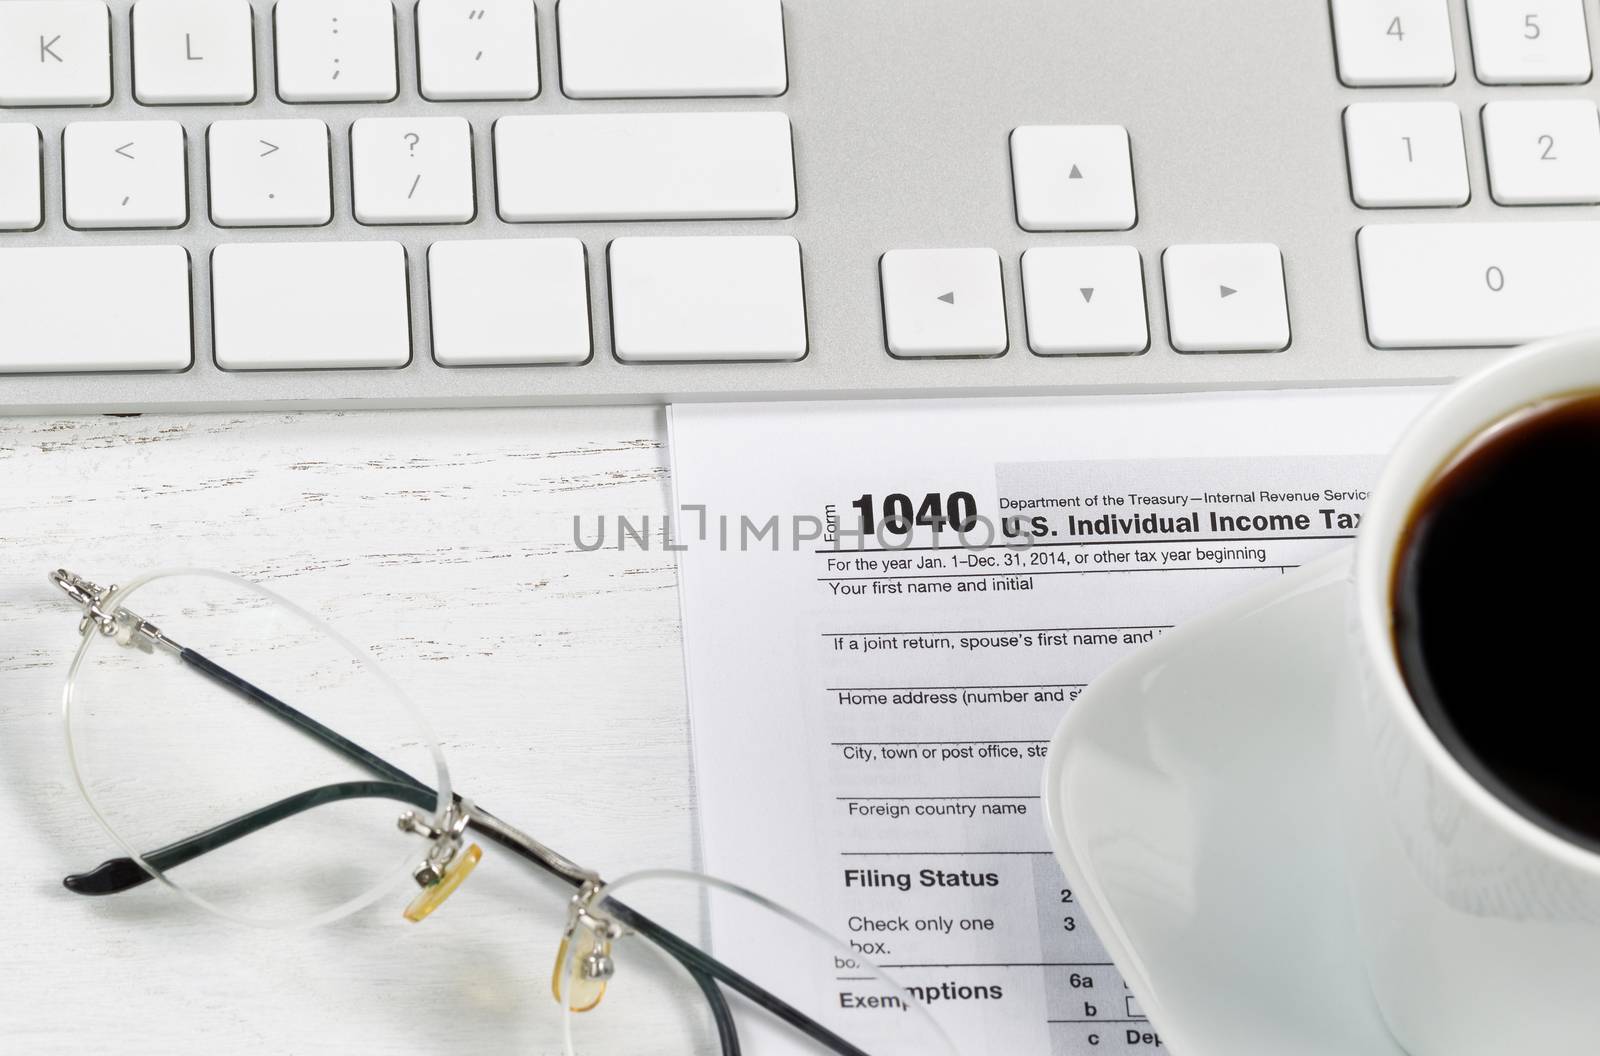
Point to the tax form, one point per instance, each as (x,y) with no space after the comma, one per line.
(888,607)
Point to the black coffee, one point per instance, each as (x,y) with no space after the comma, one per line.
(1497,613)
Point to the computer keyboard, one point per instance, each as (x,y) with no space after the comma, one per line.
(234,204)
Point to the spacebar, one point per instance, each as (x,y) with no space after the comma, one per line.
(1478,285)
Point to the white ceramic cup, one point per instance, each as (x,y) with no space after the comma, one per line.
(1480,927)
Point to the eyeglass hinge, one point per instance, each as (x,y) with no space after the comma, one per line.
(124,627)
(445,837)
(582,912)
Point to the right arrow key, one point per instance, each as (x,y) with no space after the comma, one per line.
(1226,298)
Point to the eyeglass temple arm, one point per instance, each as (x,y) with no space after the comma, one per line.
(727,1032)
(120,874)
(368,761)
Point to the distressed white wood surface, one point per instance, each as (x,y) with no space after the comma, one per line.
(444,541)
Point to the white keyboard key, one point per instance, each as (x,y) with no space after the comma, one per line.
(1543,152)
(1073,178)
(310,305)
(477,49)
(707,299)
(94,308)
(122,174)
(412,170)
(1529,41)
(644,166)
(335,51)
(1478,285)
(509,301)
(55,53)
(193,51)
(1406,154)
(21,204)
(269,173)
(1085,300)
(617,49)
(943,302)
(1393,42)
(1226,298)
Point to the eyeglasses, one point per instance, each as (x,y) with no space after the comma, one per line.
(246,755)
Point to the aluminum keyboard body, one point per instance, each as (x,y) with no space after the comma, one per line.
(901,112)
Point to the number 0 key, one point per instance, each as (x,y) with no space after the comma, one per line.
(1478,285)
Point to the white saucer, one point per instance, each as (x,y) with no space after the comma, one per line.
(1189,795)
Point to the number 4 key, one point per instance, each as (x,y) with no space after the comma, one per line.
(1393,42)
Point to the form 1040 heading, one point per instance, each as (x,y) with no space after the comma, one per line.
(899,520)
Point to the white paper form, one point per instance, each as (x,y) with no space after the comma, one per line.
(870,713)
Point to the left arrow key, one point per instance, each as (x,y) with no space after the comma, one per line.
(146,186)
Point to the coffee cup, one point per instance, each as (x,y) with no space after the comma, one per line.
(1478,918)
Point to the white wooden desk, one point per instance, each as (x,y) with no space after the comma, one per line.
(443,540)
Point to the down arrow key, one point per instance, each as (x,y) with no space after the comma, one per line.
(1084,300)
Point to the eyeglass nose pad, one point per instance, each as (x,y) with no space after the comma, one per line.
(591,959)
(432,897)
